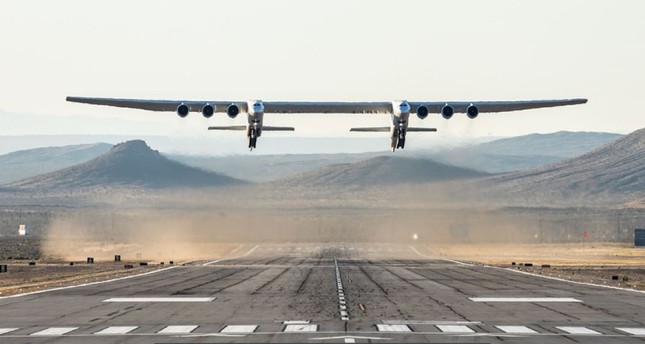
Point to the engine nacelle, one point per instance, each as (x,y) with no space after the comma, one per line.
(447,111)
(208,111)
(233,110)
(422,112)
(183,110)
(472,111)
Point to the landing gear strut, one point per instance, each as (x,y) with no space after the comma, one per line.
(253,138)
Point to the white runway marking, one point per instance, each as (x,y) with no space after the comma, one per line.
(88,284)
(160,299)
(567,281)
(446,259)
(639,331)
(301,328)
(455,328)
(393,328)
(523,299)
(54,331)
(430,322)
(7,330)
(239,329)
(577,330)
(296,322)
(516,329)
(117,330)
(177,329)
(223,259)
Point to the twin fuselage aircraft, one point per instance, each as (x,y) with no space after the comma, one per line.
(399,111)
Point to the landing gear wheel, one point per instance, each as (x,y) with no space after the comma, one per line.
(402,143)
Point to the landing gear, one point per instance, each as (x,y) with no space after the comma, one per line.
(401,143)
(253,138)
(398,139)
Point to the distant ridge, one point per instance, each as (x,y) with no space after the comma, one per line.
(382,170)
(31,162)
(616,168)
(131,163)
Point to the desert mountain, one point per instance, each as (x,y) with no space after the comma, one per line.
(131,163)
(523,152)
(617,168)
(31,162)
(382,170)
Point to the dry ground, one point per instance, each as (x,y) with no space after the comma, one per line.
(51,271)
(584,262)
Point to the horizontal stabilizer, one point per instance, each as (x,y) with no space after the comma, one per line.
(372,129)
(410,129)
(265,128)
(232,127)
(387,129)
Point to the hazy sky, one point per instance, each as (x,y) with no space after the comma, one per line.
(322,50)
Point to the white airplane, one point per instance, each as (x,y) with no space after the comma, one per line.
(399,111)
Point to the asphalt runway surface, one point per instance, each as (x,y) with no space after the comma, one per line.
(324,293)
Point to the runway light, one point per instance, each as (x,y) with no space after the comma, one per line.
(415,236)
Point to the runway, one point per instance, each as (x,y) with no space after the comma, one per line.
(324,293)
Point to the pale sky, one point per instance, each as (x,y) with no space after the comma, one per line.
(322,50)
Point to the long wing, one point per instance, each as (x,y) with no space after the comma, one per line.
(328,107)
(496,106)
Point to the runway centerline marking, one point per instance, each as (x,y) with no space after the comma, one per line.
(236,257)
(455,329)
(177,329)
(116,330)
(516,329)
(524,299)
(578,330)
(54,331)
(239,329)
(160,299)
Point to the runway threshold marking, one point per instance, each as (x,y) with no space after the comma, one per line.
(117,330)
(239,329)
(160,299)
(7,330)
(393,328)
(430,322)
(177,329)
(516,329)
(577,330)
(295,322)
(638,331)
(54,331)
(524,299)
(301,328)
(455,329)
(236,257)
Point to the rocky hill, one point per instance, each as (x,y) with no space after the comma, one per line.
(131,163)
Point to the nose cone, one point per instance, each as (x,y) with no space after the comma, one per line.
(404,107)
(256,106)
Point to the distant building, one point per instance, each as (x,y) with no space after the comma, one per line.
(22,230)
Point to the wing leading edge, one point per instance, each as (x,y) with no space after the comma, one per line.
(279,107)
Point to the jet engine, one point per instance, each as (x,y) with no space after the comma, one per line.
(472,111)
(182,110)
(233,110)
(447,111)
(422,112)
(208,111)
